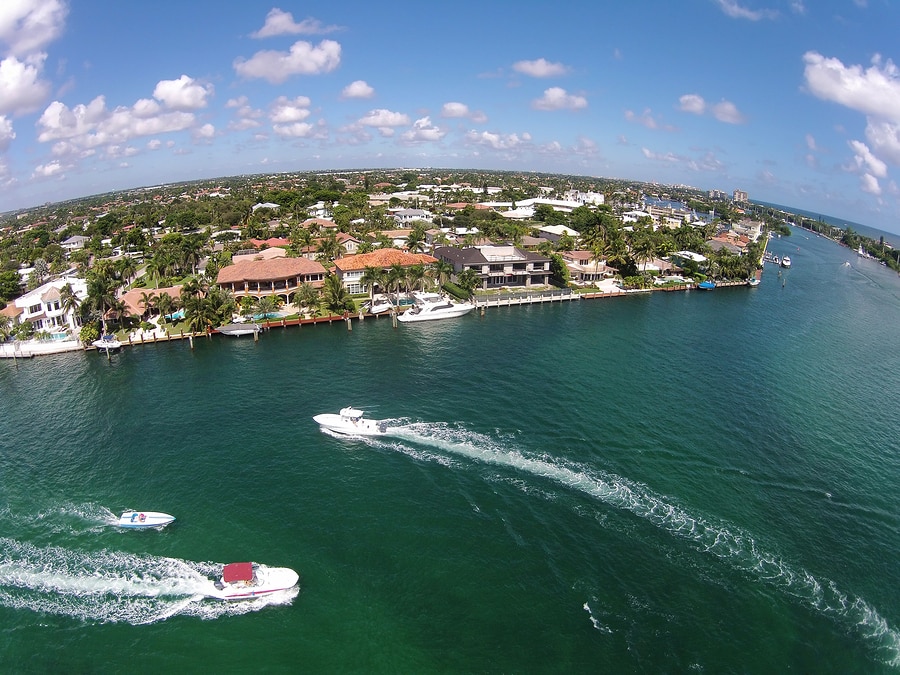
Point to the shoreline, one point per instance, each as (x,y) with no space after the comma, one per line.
(30,349)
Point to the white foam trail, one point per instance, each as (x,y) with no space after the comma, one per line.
(110,587)
(721,540)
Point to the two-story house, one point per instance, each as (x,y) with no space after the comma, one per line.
(44,308)
(498,266)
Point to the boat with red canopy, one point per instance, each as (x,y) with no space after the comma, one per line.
(247,580)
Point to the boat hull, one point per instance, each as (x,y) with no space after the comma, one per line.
(444,313)
(141,520)
(269,580)
(341,425)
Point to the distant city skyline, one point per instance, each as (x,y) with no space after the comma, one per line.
(795,103)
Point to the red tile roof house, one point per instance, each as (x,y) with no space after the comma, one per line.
(280,277)
(351,268)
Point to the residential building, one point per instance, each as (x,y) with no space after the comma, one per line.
(498,266)
(43,306)
(280,277)
(407,217)
(585,268)
(351,268)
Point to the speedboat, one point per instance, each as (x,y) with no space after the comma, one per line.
(706,285)
(752,282)
(383,303)
(430,308)
(137,520)
(107,342)
(246,581)
(239,328)
(785,261)
(350,421)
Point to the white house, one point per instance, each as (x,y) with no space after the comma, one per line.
(406,217)
(43,308)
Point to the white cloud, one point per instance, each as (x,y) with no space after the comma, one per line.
(302,59)
(454,109)
(692,103)
(27,26)
(293,130)
(48,170)
(868,183)
(811,142)
(540,68)
(288,111)
(92,125)
(185,93)
(207,131)
(645,119)
(7,135)
(279,22)
(884,138)
(736,11)
(21,89)
(423,130)
(154,144)
(246,115)
(556,98)
(668,157)
(865,161)
(726,111)
(873,91)
(381,118)
(498,141)
(358,89)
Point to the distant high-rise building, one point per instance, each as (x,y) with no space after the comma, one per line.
(740,196)
(717,194)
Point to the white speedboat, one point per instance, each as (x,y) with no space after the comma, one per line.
(239,328)
(107,342)
(785,261)
(246,581)
(351,422)
(429,309)
(137,520)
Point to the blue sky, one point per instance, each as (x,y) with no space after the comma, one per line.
(795,102)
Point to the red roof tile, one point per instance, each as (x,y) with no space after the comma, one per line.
(269,270)
(383,257)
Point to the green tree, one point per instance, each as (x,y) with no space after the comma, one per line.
(468,280)
(336,297)
(307,297)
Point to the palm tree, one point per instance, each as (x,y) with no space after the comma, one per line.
(199,313)
(165,304)
(147,301)
(371,277)
(69,301)
(329,247)
(336,297)
(416,276)
(441,271)
(6,328)
(306,297)
(101,295)
(266,305)
(126,269)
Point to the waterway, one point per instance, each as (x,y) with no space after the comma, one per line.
(666,482)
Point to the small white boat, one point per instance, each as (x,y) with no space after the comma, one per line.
(246,581)
(137,520)
(350,421)
(239,328)
(431,308)
(752,282)
(384,303)
(785,261)
(107,342)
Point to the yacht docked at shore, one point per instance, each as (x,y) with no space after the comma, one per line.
(431,307)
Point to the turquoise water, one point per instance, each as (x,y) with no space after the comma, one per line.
(663,483)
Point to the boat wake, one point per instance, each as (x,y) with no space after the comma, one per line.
(721,540)
(113,587)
